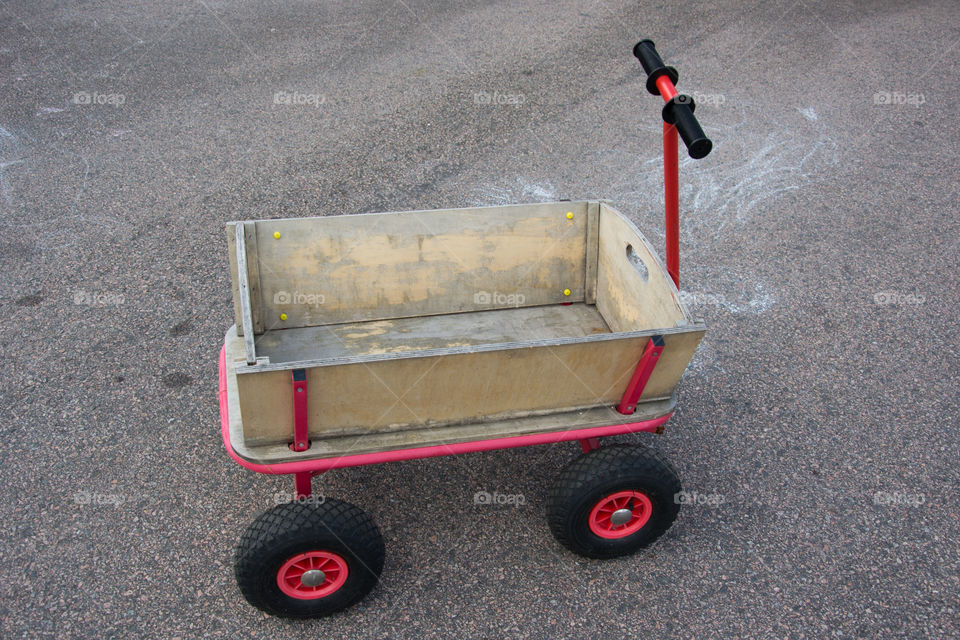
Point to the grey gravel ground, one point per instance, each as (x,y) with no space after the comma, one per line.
(820,243)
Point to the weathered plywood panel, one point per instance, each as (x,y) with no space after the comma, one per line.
(336,446)
(628,299)
(338,269)
(403,392)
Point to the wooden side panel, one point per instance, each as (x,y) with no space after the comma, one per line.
(234,280)
(409,392)
(339,269)
(332,446)
(632,298)
(243,288)
(266,406)
(253,275)
(593,245)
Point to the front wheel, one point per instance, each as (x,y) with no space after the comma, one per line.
(613,501)
(309,560)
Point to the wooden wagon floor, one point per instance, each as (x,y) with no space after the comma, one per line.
(522,324)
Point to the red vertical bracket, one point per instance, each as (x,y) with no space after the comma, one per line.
(300,441)
(651,354)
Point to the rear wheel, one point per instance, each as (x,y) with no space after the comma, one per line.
(613,501)
(309,560)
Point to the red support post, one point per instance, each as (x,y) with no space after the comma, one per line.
(300,430)
(641,375)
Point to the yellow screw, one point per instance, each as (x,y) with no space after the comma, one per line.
(276,234)
(569,215)
(566,292)
(283,316)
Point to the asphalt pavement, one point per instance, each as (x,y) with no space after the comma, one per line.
(818,421)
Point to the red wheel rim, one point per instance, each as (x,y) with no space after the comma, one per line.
(632,509)
(312,575)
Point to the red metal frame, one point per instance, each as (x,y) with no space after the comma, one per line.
(671,185)
(641,375)
(304,469)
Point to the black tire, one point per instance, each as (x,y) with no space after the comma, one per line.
(603,472)
(287,530)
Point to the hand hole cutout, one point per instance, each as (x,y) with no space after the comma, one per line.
(637,263)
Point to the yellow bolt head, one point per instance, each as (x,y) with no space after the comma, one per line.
(566,292)
(276,234)
(569,215)
(283,316)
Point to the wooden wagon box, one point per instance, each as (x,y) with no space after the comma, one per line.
(425,328)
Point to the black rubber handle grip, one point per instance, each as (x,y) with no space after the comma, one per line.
(646,53)
(679,112)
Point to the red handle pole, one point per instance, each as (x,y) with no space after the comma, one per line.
(667,91)
(671,185)
(671,198)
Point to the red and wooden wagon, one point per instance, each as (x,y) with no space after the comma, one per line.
(382,337)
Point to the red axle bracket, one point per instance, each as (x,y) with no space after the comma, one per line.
(589,444)
(641,375)
(302,484)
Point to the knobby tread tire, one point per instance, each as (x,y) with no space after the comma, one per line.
(601,472)
(290,529)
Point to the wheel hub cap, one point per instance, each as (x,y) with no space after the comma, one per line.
(313,574)
(313,578)
(620,514)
